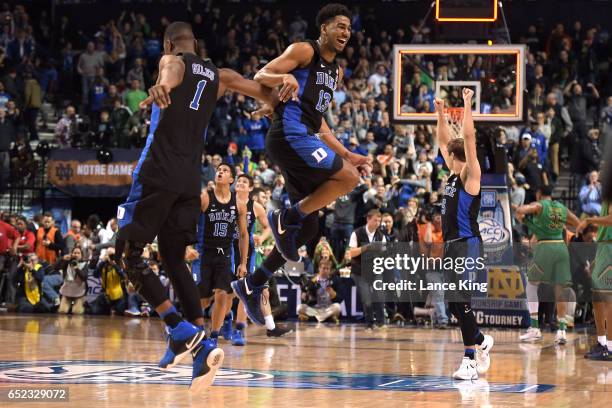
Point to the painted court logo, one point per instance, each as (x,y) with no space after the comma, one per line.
(125,372)
(96,372)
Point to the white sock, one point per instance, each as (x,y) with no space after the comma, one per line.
(609,345)
(602,340)
(532,298)
(269,322)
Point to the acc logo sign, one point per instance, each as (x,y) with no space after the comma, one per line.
(492,231)
(93,372)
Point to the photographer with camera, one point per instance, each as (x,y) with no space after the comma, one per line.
(112,299)
(364,239)
(28,281)
(320,297)
(73,270)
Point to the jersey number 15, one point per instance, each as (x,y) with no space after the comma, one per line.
(195,102)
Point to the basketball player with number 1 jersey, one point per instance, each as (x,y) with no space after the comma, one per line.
(164,199)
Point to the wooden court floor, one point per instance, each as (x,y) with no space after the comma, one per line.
(111,362)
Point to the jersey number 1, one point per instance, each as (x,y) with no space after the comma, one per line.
(195,102)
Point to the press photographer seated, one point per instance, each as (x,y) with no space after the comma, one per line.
(320,297)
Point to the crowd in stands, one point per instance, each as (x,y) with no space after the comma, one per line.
(98,78)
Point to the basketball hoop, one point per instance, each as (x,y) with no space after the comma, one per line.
(454,120)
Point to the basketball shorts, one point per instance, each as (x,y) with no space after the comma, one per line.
(550,263)
(216,271)
(459,251)
(305,161)
(149,211)
(602,273)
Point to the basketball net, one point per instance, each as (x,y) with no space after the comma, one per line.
(454,120)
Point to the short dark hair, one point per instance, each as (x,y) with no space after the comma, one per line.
(546,190)
(178,31)
(456,147)
(231,168)
(248,177)
(330,11)
(256,191)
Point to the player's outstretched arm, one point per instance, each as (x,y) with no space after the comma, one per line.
(603,221)
(276,72)
(528,209)
(442,135)
(572,220)
(472,166)
(242,197)
(171,72)
(329,139)
(230,79)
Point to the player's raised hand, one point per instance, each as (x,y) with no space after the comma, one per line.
(467,95)
(160,94)
(439,105)
(290,88)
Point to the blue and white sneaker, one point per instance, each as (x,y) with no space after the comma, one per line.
(285,235)
(251,299)
(182,340)
(238,338)
(226,329)
(207,359)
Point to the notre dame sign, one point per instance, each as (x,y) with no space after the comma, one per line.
(78,172)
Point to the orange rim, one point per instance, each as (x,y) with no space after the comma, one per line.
(455,114)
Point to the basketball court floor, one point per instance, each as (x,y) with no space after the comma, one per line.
(111,362)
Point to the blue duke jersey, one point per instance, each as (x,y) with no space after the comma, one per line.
(251,218)
(172,156)
(317,83)
(459,211)
(218,224)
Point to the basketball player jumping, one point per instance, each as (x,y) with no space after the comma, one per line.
(164,199)
(460,207)
(317,169)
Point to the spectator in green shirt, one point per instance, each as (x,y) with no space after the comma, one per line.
(134,96)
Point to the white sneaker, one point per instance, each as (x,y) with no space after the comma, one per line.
(561,337)
(532,334)
(482,354)
(467,370)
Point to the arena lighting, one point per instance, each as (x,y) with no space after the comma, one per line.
(105,156)
(466,20)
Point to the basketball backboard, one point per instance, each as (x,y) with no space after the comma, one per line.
(466,11)
(495,73)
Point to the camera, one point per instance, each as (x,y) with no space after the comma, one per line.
(74,263)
